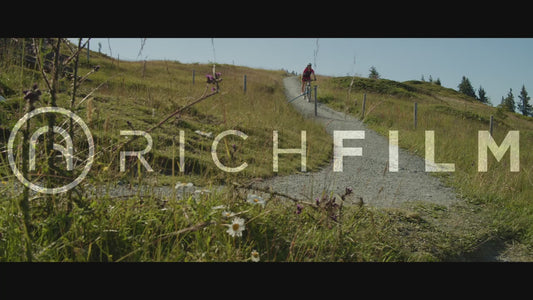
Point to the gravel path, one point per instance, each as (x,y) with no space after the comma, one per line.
(366,174)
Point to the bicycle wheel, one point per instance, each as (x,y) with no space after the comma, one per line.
(308,91)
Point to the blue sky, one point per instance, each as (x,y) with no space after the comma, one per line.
(496,64)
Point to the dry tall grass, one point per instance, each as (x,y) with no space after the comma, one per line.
(456,121)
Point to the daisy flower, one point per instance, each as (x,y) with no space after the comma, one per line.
(227,214)
(254,199)
(219,207)
(255,256)
(179,185)
(236,227)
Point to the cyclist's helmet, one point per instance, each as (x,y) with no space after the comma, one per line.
(309,64)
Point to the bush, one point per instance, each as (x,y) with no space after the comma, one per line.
(500,112)
(326,99)
(380,86)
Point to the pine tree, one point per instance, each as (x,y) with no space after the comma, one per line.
(466,88)
(482,95)
(523,105)
(373,73)
(508,102)
(437,82)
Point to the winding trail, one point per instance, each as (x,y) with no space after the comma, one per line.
(367,175)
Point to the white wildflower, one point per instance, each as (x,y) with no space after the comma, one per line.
(254,199)
(228,214)
(236,227)
(219,207)
(255,256)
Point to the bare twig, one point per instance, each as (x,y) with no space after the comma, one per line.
(69,46)
(75,54)
(31,96)
(40,64)
(176,112)
(95,89)
(143,42)
(182,109)
(94,69)
(271,192)
(372,108)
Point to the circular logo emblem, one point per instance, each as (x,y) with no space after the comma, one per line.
(68,150)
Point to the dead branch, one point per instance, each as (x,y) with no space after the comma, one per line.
(40,64)
(271,192)
(94,69)
(75,54)
(95,89)
(215,79)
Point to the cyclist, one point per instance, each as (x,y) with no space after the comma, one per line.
(306,75)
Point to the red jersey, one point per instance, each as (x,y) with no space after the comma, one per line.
(306,75)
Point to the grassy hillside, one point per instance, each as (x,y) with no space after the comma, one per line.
(455,119)
(143,101)
(123,95)
(137,95)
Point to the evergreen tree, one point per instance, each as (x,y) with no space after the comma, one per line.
(523,105)
(373,73)
(466,88)
(437,82)
(508,102)
(482,95)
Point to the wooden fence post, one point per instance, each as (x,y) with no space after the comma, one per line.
(364,104)
(315,103)
(416,114)
(491,124)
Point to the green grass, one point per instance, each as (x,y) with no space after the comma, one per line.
(147,227)
(168,85)
(456,119)
(127,97)
(151,229)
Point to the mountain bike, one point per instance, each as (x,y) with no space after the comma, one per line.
(307,91)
